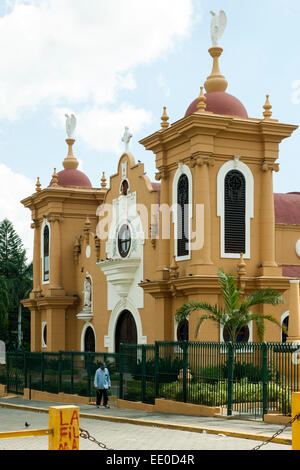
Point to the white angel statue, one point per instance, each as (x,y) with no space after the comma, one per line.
(70,125)
(218,25)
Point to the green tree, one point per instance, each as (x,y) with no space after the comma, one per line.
(4,306)
(17,274)
(237,312)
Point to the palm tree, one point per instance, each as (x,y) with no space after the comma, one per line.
(236,315)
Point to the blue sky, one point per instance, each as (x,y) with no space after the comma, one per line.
(118,63)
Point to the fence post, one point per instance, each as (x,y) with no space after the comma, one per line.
(42,372)
(143,373)
(72,372)
(184,375)
(156,370)
(64,421)
(59,371)
(89,373)
(25,369)
(7,371)
(230,377)
(121,357)
(265,378)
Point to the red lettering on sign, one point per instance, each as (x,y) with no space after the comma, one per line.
(75,417)
(61,416)
(63,432)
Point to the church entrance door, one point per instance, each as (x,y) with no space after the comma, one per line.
(126,331)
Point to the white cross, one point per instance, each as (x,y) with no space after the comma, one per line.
(126,139)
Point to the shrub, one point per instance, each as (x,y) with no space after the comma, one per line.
(133,391)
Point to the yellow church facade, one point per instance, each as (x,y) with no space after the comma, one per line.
(113,264)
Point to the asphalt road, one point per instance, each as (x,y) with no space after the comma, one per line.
(120,436)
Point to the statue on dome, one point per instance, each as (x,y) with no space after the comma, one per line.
(218,25)
(70,125)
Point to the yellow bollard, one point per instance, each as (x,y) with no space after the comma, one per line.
(296,424)
(64,421)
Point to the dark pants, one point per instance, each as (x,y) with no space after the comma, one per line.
(99,394)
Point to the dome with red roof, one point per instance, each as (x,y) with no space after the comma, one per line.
(73,177)
(220,102)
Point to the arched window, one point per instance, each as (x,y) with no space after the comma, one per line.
(44,334)
(183,330)
(89,340)
(183,216)
(182,193)
(124,187)
(243,335)
(235,207)
(46,254)
(285,324)
(235,212)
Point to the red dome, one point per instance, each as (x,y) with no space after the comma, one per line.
(219,102)
(72,177)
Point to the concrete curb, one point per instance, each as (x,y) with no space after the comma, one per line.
(162,424)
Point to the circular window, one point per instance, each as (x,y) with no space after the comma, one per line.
(183,331)
(124,241)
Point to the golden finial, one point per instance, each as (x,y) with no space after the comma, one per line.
(216,81)
(267,108)
(201,106)
(103,181)
(38,186)
(70,162)
(164,119)
(54,181)
(174,268)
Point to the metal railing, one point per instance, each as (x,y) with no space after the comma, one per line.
(239,378)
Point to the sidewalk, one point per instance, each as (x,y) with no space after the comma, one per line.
(246,429)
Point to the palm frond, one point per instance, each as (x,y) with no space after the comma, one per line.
(229,290)
(186,309)
(262,296)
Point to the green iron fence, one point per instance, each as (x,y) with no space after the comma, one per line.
(239,378)
(68,372)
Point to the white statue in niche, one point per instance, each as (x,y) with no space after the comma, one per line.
(87,292)
(218,25)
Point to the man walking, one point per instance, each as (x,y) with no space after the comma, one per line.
(102,384)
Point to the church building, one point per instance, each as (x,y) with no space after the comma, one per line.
(112,264)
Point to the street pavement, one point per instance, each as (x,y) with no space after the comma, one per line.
(123,429)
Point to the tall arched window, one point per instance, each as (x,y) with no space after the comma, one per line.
(235,212)
(46,254)
(183,216)
(235,203)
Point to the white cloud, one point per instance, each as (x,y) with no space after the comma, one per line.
(59,52)
(103,129)
(14,188)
